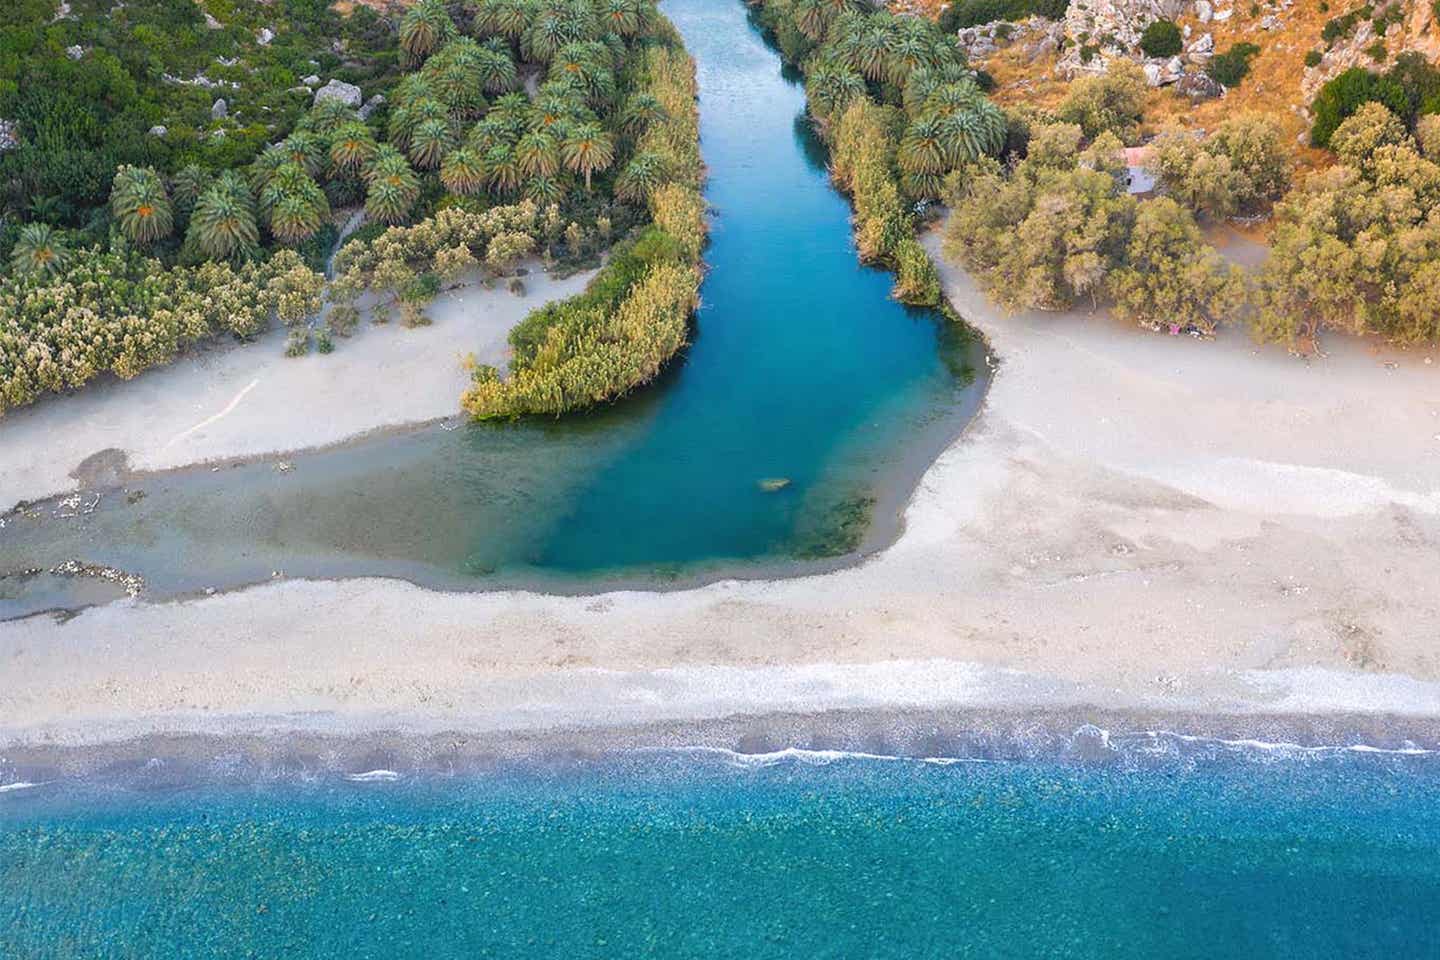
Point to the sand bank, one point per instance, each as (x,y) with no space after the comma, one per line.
(1133,519)
(227,400)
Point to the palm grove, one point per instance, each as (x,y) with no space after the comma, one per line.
(486,172)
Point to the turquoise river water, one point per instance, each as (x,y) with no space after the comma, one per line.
(801,368)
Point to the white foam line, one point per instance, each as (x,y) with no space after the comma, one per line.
(20,785)
(373,776)
(229,407)
(814,757)
(1282,746)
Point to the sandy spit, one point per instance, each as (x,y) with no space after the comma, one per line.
(1134,520)
(236,401)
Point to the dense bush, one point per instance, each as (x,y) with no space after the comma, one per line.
(1241,168)
(1347,93)
(1061,228)
(1112,102)
(969,13)
(1356,247)
(117,311)
(1161,39)
(80,119)
(600,345)
(1230,67)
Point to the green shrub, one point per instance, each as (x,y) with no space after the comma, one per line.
(1161,39)
(1377,51)
(1313,58)
(1346,93)
(1230,67)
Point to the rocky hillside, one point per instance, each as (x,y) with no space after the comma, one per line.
(1301,44)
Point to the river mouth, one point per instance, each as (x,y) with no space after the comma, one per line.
(786,440)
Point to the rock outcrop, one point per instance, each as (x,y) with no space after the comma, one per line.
(346,93)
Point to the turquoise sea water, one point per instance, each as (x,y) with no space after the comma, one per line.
(801,368)
(708,855)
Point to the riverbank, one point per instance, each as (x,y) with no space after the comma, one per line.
(227,401)
(1133,520)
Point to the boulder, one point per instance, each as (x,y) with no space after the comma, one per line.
(310,81)
(346,93)
(9,135)
(265,36)
(1152,74)
(1203,11)
(371,106)
(75,52)
(219,110)
(1199,86)
(159,130)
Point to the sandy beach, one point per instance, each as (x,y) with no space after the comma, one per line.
(1133,521)
(229,400)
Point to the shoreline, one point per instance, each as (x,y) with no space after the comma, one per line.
(171,761)
(1090,531)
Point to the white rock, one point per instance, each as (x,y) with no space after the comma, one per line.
(1222,15)
(159,130)
(75,52)
(346,93)
(1152,74)
(9,135)
(213,24)
(311,81)
(1203,11)
(371,106)
(219,110)
(265,36)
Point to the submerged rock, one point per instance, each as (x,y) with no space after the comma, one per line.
(774,484)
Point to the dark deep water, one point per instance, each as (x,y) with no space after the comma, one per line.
(801,368)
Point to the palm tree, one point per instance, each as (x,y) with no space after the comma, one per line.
(387,162)
(223,225)
(538,154)
(425,26)
(140,205)
(390,198)
(544,190)
(429,143)
(406,119)
(643,173)
(294,219)
(925,147)
(186,186)
(833,86)
(555,106)
(641,110)
(328,116)
(621,16)
(352,147)
(971,134)
(588,149)
(922,185)
(497,70)
(306,149)
(463,172)
(502,171)
(294,204)
(507,18)
(812,17)
(40,251)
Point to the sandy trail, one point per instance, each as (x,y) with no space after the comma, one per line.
(1133,519)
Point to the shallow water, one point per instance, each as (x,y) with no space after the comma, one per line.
(801,368)
(1166,849)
